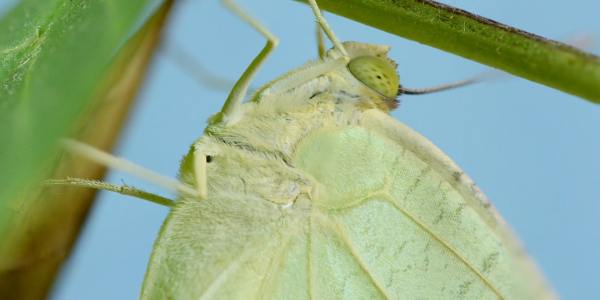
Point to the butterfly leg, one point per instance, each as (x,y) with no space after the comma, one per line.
(200,166)
(121,189)
(196,69)
(117,163)
(325,26)
(301,76)
(230,112)
(320,42)
(310,72)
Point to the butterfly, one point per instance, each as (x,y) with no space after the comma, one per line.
(311,190)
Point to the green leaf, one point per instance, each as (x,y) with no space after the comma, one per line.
(483,40)
(53,55)
(39,226)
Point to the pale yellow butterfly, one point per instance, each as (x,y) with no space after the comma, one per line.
(311,190)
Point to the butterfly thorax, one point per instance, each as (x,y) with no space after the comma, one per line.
(256,156)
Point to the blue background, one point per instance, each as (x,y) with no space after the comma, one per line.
(533,150)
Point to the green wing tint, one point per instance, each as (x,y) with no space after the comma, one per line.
(389,217)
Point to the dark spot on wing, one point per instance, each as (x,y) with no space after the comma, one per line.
(490,261)
(464,288)
(457,175)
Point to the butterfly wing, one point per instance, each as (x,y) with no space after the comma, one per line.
(215,248)
(390,217)
(415,224)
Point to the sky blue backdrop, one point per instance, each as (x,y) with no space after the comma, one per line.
(533,150)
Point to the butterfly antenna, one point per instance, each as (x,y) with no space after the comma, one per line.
(452,85)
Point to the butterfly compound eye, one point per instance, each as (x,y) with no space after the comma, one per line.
(376,73)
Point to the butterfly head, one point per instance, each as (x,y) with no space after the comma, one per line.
(370,65)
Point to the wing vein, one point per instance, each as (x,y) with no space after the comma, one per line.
(309,260)
(273,265)
(447,246)
(344,237)
(208,293)
(220,279)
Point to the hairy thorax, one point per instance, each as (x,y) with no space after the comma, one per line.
(261,156)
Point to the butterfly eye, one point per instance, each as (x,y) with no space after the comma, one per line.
(376,73)
(209,158)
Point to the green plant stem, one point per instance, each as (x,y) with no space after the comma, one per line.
(548,62)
